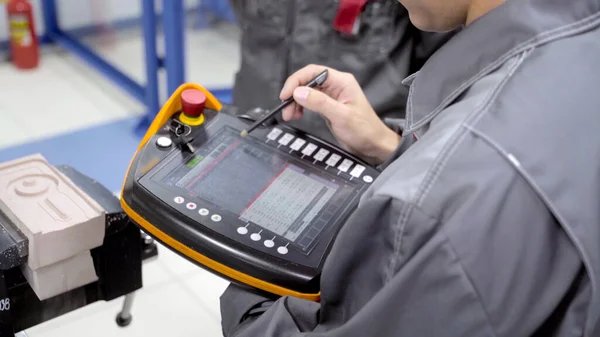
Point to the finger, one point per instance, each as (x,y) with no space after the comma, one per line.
(301,77)
(298,111)
(292,112)
(288,112)
(319,102)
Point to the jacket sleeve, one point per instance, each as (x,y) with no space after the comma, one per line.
(485,274)
(427,297)
(241,309)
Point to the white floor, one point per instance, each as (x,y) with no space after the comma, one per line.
(178,298)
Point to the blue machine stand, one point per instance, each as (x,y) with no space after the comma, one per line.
(174,61)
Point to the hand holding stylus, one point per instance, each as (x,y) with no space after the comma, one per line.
(343,104)
(316,81)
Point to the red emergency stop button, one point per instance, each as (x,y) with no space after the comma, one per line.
(192,107)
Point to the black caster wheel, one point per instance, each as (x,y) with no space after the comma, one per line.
(123,322)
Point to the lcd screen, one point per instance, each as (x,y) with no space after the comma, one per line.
(261,186)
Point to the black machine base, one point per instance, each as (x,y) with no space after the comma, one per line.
(21,309)
(123,321)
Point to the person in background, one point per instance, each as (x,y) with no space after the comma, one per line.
(485,221)
(373,40)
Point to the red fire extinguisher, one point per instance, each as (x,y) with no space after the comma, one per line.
(24,46)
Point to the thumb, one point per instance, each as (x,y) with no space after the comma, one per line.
(319,102)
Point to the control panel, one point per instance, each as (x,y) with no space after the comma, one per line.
(263,210)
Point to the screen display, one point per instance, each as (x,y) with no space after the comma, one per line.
(289,202)
(260,185)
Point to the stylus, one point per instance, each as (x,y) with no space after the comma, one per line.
(318,80)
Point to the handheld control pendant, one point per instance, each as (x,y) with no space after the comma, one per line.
(262,210)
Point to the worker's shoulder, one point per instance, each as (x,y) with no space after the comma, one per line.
(546,112)
(544,123)
(555,83)
(538,130)
(506,127)
(563,71)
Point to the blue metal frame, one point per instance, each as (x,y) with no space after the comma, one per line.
(86,54)
(174,64)
(173,27)
(50,18)
(147,94)
(153,62)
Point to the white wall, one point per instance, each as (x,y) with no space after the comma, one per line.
(80,13)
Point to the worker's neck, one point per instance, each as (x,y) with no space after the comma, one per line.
(480,8)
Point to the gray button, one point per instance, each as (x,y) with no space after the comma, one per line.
(282,250)
(242,230)
(269,243)
(255,237)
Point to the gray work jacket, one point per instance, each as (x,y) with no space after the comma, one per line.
(280,37)
(489,223)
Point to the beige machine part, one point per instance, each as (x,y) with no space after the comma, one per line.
(62,276)
(61,222)
(58,218)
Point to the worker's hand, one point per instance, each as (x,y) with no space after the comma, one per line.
(342,103)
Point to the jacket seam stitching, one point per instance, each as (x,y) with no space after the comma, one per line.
(475,116)
(505,154)
(409,116)
(544,37)
(470,282)
(405,212)
(437,168)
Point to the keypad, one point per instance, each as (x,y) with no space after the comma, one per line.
(274,134)
(357,171)
(309,149)
(345,165)
(333,159)
(305,148)
(320,156)
(286,139)
(297,144)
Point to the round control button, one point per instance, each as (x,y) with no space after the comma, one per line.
(368,179)
(191,205)
(164,142)
(216,218)
(269,243)
(242,230)
(192,102)
(255,237)
(203,212)
(282,250)
(179,200)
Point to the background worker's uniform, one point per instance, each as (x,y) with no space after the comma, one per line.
(488,224)
(280,37)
